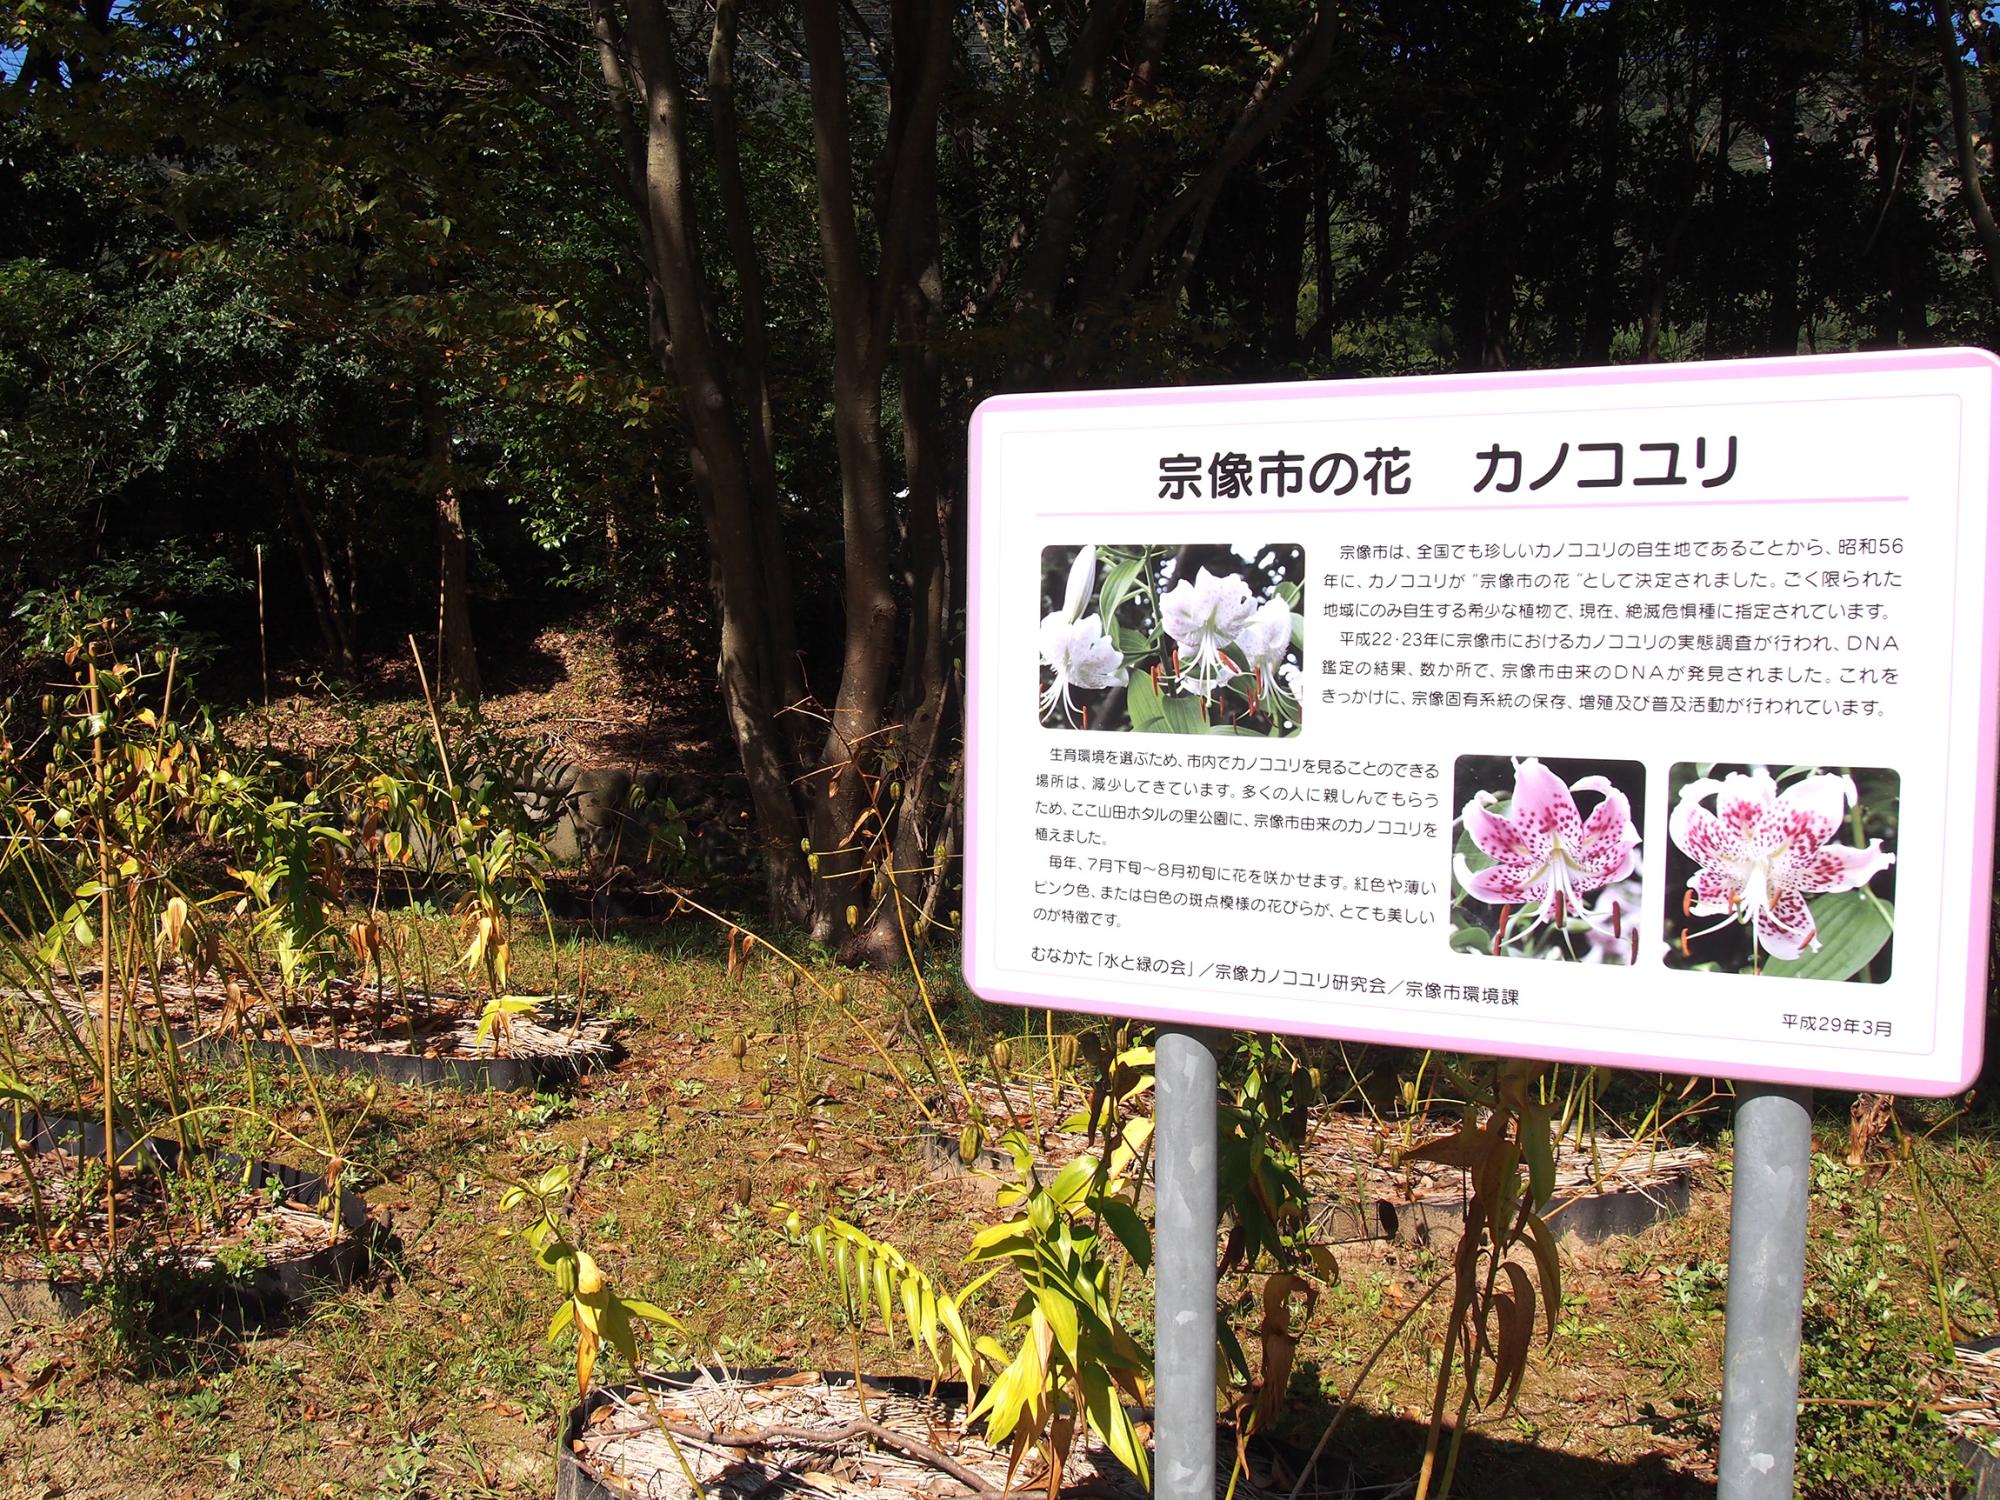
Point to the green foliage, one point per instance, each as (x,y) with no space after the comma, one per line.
(1259,1174)
(1073,1359)
(1867,1430)
(597,1315)
(1853,926)
(884,1278)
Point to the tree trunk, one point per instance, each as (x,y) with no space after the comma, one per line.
(1284,266)
(788,682)
(329,606)
(746,665)
(1601,306)
(844,799)
(919,827)
(1785,145)
(458,662)
(1962,125)
(1319,338)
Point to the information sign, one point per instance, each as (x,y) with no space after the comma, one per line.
(1638,716)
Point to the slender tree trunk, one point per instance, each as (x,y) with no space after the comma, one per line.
(931,514)
(458,662)
(842,793)
(1785,145)
(1472,306)
(1600,309)
(1284,267)
(745,667)
(754,391)
(1319,339)
(1970,183)
(335,622)
(1114,225)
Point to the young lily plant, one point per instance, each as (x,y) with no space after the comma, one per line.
(1073,1364)
(599,1316)
(1505,1143)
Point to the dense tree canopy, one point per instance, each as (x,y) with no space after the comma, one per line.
(452,302)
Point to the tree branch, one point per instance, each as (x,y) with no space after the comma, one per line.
(1277,94)
(919,135)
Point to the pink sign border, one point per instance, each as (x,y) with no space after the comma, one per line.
(1803,367)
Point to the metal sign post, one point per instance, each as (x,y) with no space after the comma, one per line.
(1184,1267)
(1767,1278)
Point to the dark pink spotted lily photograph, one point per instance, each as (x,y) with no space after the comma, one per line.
(1547,860)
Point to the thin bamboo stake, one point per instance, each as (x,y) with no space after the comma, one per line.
(108,1032)
(263,649)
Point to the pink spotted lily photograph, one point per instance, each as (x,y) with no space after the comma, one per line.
(1782,871)
(1546,861)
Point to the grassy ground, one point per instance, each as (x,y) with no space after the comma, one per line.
(433,1378)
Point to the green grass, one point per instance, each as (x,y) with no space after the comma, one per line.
(433,1378)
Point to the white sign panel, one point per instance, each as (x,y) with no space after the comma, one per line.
(1640,716)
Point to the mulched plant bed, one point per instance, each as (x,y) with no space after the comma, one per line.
(1604,1186)
(1032,1106)
(249,1231)
(752,1435)
(1972,1415)
(348,1026)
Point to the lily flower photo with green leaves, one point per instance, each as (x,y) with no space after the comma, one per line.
(1159,639)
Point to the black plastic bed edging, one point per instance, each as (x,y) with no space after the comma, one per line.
(495,1074)
(262,1290)
(1978,1457)
(1985,1467)
(573,1481)
(1592,1217)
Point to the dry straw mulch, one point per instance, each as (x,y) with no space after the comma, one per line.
(805,1435)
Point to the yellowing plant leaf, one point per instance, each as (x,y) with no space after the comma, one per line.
(1280,1341)
(1112,1423)
(912,1310)
(1548,1267)
(1061,1315)
(1462,1148)
(1516,1311)
(882,1296)
(560,1323)
(638,1307)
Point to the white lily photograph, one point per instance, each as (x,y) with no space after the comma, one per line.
(1173,639)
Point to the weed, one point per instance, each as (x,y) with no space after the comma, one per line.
(238,1262)
(1868,1427)
(546,1109)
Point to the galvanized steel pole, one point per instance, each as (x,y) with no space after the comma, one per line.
(1767,1280)
(1184,1267)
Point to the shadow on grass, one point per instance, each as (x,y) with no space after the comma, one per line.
(1491,1467)
(166,1321)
